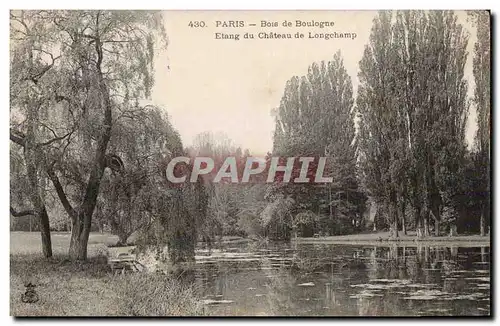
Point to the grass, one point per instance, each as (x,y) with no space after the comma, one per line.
(383,238)
(89,288)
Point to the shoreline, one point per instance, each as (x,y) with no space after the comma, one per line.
(383,239)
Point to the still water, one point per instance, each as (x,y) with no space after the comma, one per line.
(344,280)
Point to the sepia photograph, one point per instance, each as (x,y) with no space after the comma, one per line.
(221,163)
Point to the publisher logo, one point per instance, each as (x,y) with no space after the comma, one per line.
(253,169)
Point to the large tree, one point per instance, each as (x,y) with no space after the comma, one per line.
(482,99)
(413,108)
(380,138)
(448,109)
(32,72)
(315,118)
(76,73)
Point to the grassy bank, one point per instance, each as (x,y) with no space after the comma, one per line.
(88,288)
(383,239)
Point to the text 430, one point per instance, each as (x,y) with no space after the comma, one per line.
(195,23)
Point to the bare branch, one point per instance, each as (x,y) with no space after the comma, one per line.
(60,193)
(15,213)
(56,139)
(17,137)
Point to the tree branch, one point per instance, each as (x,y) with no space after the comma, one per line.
(17,137)
(55,139)
(15,213)
(60,193)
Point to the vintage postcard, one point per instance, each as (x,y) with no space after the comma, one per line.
(250,163)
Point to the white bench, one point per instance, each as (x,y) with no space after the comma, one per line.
(125,262)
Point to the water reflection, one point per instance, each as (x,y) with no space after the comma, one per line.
(342,280)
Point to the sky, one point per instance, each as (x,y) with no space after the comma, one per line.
(229,86)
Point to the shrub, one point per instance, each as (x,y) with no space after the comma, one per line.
(250,225)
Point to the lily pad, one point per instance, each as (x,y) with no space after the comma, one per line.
(209,301)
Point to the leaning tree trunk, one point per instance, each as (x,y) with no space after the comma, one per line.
(43,220)
(32,158)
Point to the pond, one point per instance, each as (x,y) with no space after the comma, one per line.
(280,279)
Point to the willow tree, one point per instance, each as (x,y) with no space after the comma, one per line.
(32,72)
(125,201)
(102,63)
(176,210)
